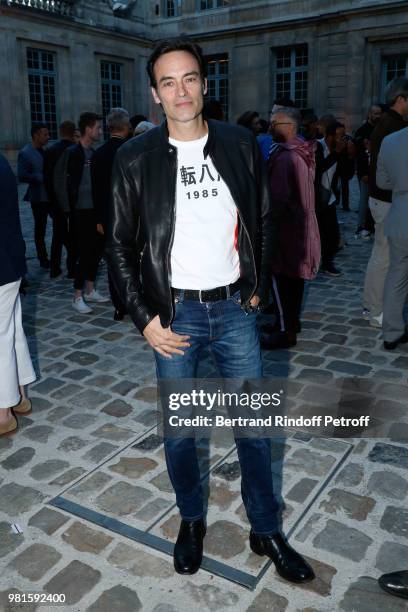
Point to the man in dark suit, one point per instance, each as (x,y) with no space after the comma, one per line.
(30,168)
(101,171)
(60,234)
(78,182)
(328,151)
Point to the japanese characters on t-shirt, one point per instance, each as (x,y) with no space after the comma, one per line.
(204,253)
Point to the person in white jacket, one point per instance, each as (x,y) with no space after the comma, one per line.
(392,174)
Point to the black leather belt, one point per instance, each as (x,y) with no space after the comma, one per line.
(208,295)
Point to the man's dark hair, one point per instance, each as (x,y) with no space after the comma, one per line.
(332,127)
(246,118)
(36,127)
(308,115)
(136,119)
(87,120)
(181,43)
(67,129)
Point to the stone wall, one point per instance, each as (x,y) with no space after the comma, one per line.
(347,42)
(78,46)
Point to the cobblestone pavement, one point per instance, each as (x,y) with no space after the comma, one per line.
(91,441)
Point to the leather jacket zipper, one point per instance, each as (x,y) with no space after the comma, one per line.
(247,233)
(173,227)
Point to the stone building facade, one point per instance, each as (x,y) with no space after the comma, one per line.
(61,57)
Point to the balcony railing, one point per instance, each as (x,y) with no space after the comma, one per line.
(60,7)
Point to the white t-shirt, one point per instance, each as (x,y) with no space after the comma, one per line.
(204,253)
(328,175)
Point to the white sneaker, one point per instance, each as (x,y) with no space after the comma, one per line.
(80,306)
(366,314)
(377,321)
(95,296)
(365,234)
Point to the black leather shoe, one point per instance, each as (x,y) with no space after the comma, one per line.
(390,346)
(289,564)
(395,583)
(119,315)
(188,551)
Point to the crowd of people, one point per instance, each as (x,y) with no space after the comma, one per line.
(69,182)
(197,212)
(310,163)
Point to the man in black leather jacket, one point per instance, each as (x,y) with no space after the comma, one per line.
(101,173)
(190,245)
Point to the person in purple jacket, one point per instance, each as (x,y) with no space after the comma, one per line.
(291,170)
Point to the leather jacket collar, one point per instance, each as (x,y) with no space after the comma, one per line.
(209,145)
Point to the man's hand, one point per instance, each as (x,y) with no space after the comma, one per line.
(99,228)
(255,301)
(364,179)
(163,340)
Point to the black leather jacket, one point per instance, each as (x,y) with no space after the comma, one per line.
(141,227)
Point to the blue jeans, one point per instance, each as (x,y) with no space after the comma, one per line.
(233,338)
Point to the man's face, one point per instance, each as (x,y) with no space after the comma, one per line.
(282,128)
(340,133)
(310,128)
(321,130)
(95,132)
(179,88)
(42,137)
(375,114)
